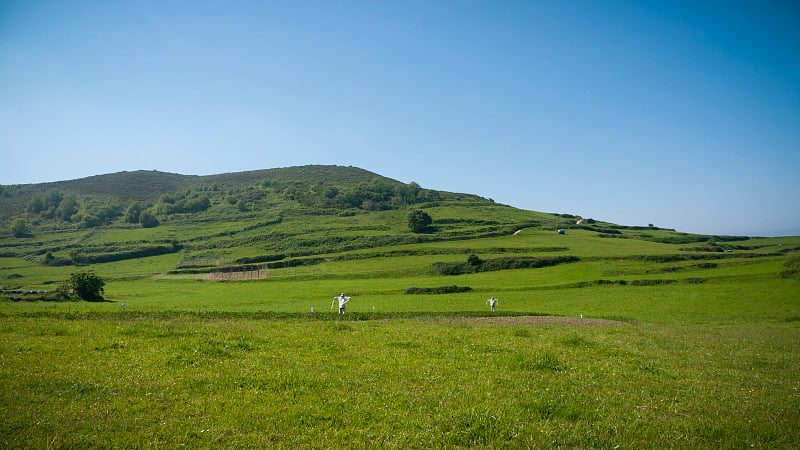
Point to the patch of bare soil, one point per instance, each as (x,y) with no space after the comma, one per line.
(542,320)
(237,276)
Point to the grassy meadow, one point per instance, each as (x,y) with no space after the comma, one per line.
(188,362)
(607,336)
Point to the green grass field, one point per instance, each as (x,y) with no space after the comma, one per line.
(697,353)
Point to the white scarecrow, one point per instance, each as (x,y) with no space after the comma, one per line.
(492,302)
(342,300)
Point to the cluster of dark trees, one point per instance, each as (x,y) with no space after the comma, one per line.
(87,212)
(91,211)
(183,202)
(374,195)
(54,205)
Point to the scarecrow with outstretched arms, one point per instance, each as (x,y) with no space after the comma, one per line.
(342,300)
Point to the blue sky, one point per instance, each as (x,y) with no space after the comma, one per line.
(681,114)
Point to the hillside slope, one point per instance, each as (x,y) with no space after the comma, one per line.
(286,217)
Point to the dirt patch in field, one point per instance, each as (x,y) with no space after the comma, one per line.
(541,320)
(237,275)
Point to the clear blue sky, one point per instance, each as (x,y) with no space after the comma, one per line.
(681,114)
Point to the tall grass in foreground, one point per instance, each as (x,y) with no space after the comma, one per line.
(212,382)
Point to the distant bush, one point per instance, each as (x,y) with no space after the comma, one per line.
(148,220)
(474,260)
(87,285)
(90,221)
(419,221)
(67,208)
(37,203)
(132,215)
(19,228)
(437,290)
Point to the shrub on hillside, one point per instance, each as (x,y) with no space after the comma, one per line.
(87,285)
(133,212)
(36,204)
(90,221)
(419,221)
(19,228)
(67,208)
(148,220)
(474,260)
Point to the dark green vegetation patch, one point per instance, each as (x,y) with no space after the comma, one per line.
(437,290)
(506,263)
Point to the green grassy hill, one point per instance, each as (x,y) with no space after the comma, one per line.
(291,217)
(244,217)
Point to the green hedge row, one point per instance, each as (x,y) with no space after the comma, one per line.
(437,290)
(489,265)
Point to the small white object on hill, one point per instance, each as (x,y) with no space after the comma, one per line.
(492,302)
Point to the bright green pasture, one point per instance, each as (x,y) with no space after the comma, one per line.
(160,381)
(728,296)
(705,353)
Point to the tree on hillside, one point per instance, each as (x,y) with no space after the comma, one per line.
(148,220)
(419,221)
(133,212)
(87,285)
(90,221)
(53,198)
(474,260)
(19,228)
(67,208)
(37,203)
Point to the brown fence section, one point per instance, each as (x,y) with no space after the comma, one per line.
(240,273)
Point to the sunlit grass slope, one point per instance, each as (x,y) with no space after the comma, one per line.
(698,348)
